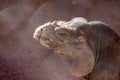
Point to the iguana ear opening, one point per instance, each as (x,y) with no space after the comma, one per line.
(83,64)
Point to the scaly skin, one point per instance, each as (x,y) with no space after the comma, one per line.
(91,49)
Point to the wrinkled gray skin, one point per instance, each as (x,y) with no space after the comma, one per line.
(82,45)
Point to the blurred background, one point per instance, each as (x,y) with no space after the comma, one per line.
(21,57)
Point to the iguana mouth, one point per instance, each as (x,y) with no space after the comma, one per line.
(36,37)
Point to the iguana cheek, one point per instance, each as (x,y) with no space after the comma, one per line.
(53,45)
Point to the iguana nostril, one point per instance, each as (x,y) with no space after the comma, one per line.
(41,29)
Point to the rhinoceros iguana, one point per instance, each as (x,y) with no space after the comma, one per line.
(91,49)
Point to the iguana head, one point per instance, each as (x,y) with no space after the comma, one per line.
(69,40)
(57,33)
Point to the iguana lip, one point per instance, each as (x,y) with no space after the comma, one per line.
(36,37)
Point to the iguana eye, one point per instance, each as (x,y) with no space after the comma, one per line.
(62,34)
